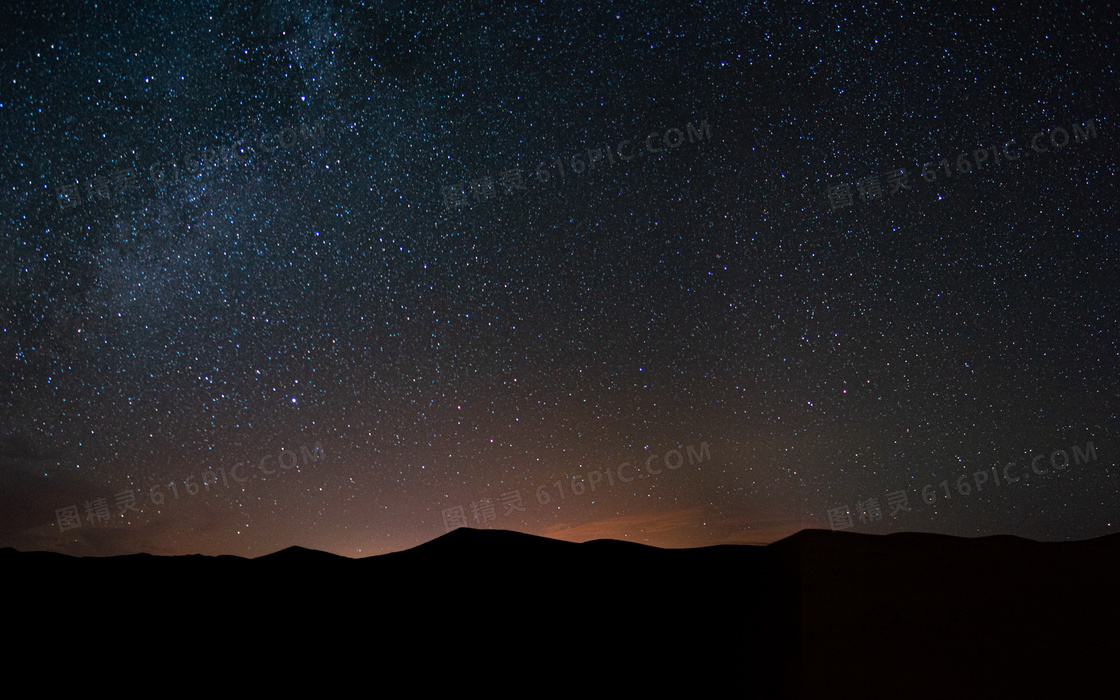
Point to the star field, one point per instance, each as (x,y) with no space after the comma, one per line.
(322,232)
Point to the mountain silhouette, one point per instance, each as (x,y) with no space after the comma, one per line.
(818,614)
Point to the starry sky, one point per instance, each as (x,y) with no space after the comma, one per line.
(346,275)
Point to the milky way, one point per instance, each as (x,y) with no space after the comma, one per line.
(346,275)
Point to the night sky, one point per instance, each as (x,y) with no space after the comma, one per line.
(372,271)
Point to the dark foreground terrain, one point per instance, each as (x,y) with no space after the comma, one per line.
(490,612)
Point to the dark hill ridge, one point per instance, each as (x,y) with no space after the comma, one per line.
(301,554)
(819,614)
